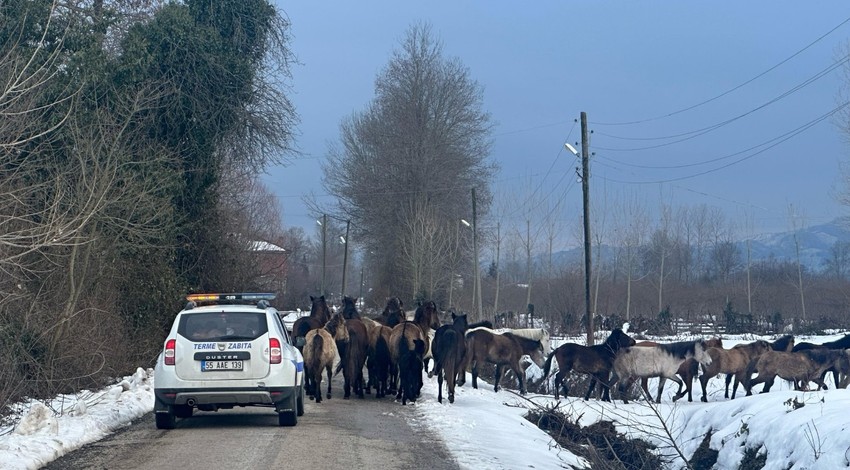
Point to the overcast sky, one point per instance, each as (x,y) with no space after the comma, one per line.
(721,100)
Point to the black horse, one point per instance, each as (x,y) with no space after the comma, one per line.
(449,349)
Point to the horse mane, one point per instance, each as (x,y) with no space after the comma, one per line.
(482,323)
(783,343)
(679,349)
(420,310)
(526,343)
(841,343)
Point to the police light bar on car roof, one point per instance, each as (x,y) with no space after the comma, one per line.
(230,296)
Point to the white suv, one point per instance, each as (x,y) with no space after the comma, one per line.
(227,350)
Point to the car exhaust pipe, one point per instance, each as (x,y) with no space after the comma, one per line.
(190,402)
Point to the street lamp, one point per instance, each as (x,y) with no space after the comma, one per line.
(324,224)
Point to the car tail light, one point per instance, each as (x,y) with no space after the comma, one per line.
(274,351)
(169,352)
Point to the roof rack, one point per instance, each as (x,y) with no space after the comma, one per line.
(240,298)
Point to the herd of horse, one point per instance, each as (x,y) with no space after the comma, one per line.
(396,352)
(621,360)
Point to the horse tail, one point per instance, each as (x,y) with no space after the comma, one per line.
(317,346)
(548,364)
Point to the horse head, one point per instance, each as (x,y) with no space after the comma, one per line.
(618,339)
(349,308)
(427,316)
(460,321)
(701,352)
(336,327)
(319,309)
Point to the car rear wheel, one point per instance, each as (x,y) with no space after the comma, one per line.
(289,418)
(300,403)
(165,420)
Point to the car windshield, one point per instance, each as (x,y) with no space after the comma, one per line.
(223,326)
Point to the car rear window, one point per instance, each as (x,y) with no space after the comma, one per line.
(222,326)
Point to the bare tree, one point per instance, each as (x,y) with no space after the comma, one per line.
(422,142)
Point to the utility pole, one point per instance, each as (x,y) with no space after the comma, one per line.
(324,249)
(585,189)
(498,248)
(345,257)
(528,267)
(475,249)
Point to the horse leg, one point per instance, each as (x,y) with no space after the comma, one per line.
(590,387)
(661,382)
(520,375)
(678,394)
(317,382)
(498,378)
(559,379)
(703,381)
(438,371)
(474,373)
(728,379)
(329,368)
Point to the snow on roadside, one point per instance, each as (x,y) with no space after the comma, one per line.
(45,433)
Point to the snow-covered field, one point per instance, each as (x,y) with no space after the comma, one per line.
(483,429)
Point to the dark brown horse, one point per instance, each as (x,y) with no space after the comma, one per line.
(319,315)
(449,349)
(841,343)
(349,308)
(427,317)
(407,348)
(506,349)
(319,354)
(596,360)
(378,361)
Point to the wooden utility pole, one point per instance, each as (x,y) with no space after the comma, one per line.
(475,249)
(324,249)
(585,189)
(345,257)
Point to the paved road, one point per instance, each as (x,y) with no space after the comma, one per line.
(336,433)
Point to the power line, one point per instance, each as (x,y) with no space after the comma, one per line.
(701,103)
(788,136)
(705,130)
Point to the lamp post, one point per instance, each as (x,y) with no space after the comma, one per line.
(476,300)
(324,224)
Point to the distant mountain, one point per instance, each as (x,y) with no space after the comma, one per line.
(815,241)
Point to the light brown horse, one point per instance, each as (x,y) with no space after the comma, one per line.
(319,315)
(798,367)
(393,313)
(505,349)
(732,362)
(319,354)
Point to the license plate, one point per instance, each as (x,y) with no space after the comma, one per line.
(207,366)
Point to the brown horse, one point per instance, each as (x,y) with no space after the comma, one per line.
(353,354)
(449,351)
(506,349)
(687,371)
(732,362)
(596,360)
(319,354)
(319,315)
